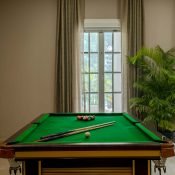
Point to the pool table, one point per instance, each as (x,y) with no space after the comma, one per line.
(123,148)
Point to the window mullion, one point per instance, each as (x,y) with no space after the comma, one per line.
(112,72)
(101,72)
(89,71)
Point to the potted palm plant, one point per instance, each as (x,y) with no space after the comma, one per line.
(156,86)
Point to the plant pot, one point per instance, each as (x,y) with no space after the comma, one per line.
(169,134)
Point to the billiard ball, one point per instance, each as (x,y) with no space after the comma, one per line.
(85,117)
(87,134)
(79,117)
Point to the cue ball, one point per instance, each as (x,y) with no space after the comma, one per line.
(87,134)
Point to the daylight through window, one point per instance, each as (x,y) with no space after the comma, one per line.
(102,72)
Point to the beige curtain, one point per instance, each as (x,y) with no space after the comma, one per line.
(70,18)
(132,40)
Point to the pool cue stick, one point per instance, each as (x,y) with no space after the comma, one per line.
(76,131)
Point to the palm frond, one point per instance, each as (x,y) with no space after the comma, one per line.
(156,85)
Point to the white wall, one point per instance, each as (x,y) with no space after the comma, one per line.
(27,61)
(159,23)
(101,9)
(173,25)
(159,19)
(27,52)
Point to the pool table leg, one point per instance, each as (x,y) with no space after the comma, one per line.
(141,165)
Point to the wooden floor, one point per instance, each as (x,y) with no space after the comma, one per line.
(170,167)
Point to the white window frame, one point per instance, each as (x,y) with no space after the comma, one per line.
(101,26)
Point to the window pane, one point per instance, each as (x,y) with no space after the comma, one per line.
(94,103)
(94,82)
(93,42)
(108,102)
(86,63)
(108,82)
(117,82)
(82,102)
(117,102)
(108,63)
(101,72)
(86,42)
(86,103)
(94,62)
(86,82)
(117,63)
(108,41)
(117,41)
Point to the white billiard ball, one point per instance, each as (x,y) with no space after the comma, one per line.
(87,134)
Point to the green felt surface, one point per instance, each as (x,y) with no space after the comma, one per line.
(126,129)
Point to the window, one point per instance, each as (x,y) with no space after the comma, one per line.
(102,72)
